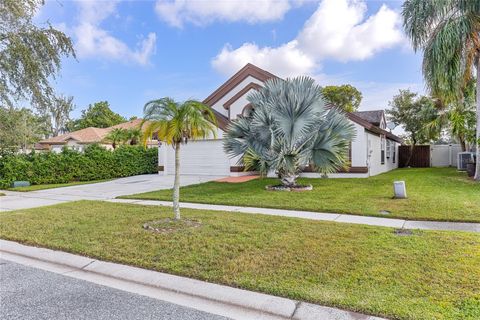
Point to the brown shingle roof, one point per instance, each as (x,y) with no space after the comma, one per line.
(374,116)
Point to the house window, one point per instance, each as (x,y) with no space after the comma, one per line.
(389,149)
(394,153)
(382,146)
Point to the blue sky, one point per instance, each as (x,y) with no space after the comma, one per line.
(131,51)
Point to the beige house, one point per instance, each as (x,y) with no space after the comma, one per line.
(77,140)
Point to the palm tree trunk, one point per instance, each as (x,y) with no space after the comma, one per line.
(463,144)
(477,143)
(176,183)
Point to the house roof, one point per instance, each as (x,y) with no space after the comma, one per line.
(90,134)
(263,75)
(374,116)
(371,127)
(248,70)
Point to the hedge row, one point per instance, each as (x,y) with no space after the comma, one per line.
(94,163)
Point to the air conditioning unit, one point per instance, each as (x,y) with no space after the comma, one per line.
(463,159)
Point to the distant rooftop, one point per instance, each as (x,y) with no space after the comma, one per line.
(90,134)
(373,116)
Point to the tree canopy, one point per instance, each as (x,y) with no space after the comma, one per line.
(21,128)
(59,114)
(413,113)
(345,97)
(30,55)
(97,115)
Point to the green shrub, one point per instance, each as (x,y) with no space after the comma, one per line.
(94,163)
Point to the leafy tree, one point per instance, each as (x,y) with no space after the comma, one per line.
(345,97)
(290,130)
(448,34)
(176,123)
(414,114)
(30,56)
(116,136)
(98,115)
(59,114)
(20,128)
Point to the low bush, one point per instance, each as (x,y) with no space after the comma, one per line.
(95,163)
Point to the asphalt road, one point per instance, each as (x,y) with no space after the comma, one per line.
(28,293)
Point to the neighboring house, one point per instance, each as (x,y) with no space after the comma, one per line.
(374,150)
(77,140)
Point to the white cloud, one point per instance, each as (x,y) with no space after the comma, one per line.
(338,30)
(94,41)
(285,60)
(177,12)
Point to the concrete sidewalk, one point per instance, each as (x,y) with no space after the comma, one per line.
(208,297)
(335,217)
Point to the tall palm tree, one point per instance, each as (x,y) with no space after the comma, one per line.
(448,32)
(289,130)
(116,136)
(176,123)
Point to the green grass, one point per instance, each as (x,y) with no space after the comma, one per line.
(35,187)
(2,194)
(442,194)
(428,275)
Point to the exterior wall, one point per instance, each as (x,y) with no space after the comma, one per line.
(200,157)
(333,175)
(57,148)
(359,152)
(374,147)
(218,106)
(444,155)
(236,108)
(71,144)
(76,146)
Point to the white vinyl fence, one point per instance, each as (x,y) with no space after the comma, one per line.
(444,155)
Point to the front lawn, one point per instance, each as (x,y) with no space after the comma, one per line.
(442,194)
(427,275)
(35,187)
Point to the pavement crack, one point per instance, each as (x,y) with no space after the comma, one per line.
(87,264)
(297,305)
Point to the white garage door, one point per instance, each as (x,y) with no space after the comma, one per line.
(204,157)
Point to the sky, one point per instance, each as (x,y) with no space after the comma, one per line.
(129,52)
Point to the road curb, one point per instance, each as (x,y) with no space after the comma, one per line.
(268,306)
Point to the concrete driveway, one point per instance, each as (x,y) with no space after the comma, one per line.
(95,191)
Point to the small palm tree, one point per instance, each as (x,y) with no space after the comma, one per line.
(133,135)
(116,136)
(176,123)
(448,33)
(289,130)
